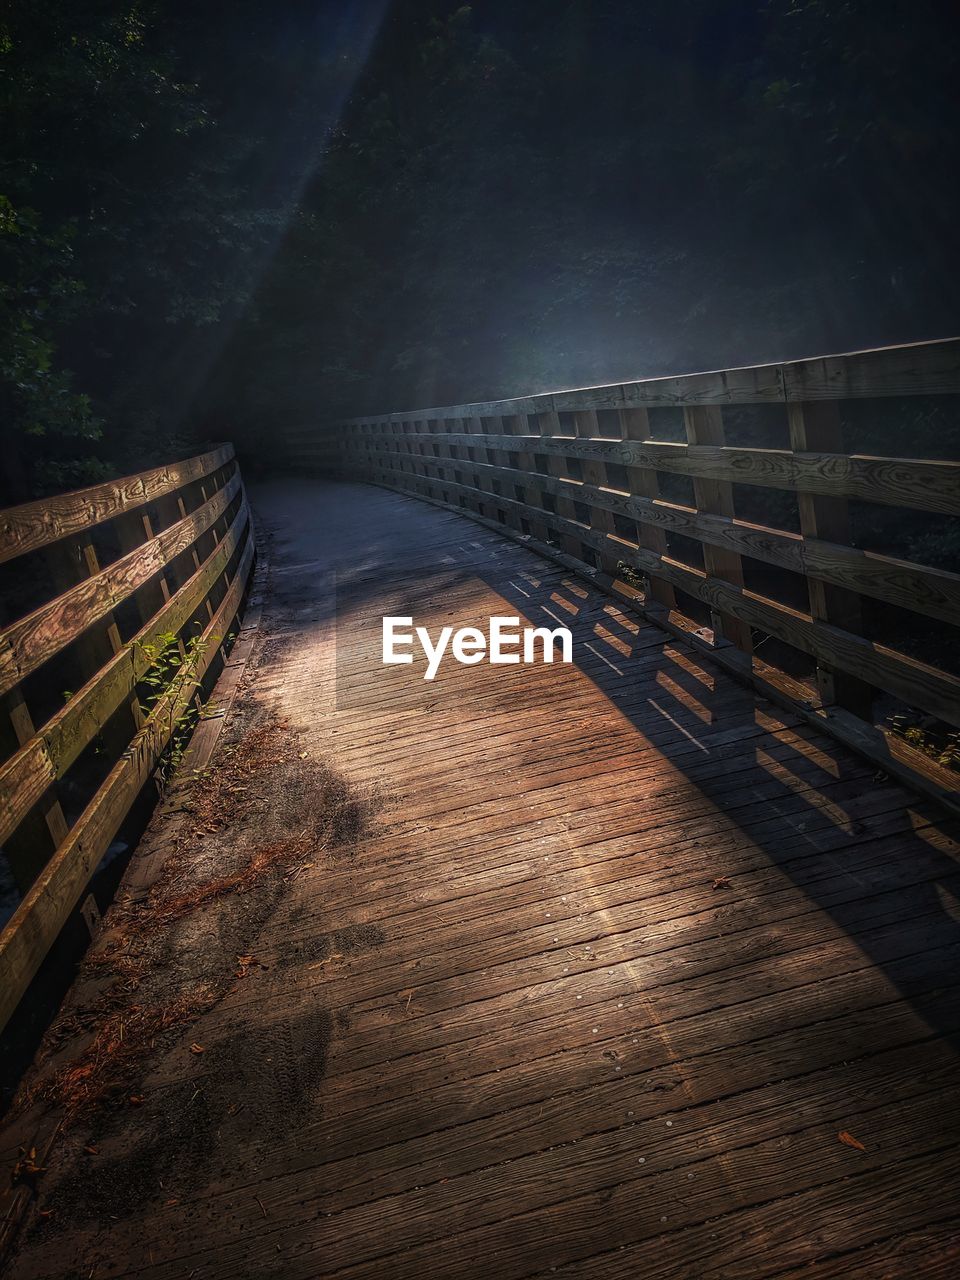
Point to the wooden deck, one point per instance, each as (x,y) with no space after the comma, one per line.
(617,955)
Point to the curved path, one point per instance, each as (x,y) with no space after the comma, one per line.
(588,977)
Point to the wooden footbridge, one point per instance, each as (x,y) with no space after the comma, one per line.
(641,966)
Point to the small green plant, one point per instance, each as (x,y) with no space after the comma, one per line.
(173,675)
(942,746)
(636,579)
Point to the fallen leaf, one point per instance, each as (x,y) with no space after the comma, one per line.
(26,1170)
(849,1140)
(246,963)
(197,1048)
(136,1099)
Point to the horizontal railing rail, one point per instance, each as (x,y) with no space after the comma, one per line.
(578,473)
(141,581)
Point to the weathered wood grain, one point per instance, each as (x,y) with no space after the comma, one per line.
(932,592)
(108,670)
(37,524)
(28,643)
(915,369)
(900,482)
(644,496)
(544,835)
(917,683)
(704,426)
(46,755)
(887,750)
(568,480)
(26,939)
(42,830)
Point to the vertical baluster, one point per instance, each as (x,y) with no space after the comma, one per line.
(594,472)
(532,496)
(643,483)
(557,466)
(72,561)
(704,426)
(815,428)
(29,848)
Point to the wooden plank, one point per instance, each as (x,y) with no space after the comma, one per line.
(37,524)
(595,473)
(932,592)
(483,1144)
(590,1164)
(917,368)
(498,860)
(916,683)
(899,1196)
(38,919)
(531,482)
(931,1251)
(76,567)
(815,425)
(901,482)
(885,749)
(572,835)
(763,1226)
(704,426)
(645,494)
(133,530)
(920,368)
(557,463)
(27,644)
(47,755)
(691,972)
(35,835)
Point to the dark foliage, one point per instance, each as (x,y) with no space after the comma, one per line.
(219,219)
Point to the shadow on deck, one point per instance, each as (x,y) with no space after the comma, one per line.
(538,970)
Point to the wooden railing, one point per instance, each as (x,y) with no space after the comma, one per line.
(579,472)
(133,588)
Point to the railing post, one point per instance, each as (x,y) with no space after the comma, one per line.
(443,456)
(557,468)
(71,562)
(704,426)
(483,487)
(595,472)
(195,549)
(815,428)
(403,465)
(133,530)
(29,848)
(532,495)
(395,454)
(643,483)
(519,427)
